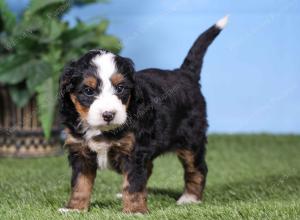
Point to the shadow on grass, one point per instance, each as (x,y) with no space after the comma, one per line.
(107,203)
(263,189)
(267,188)
(171,193)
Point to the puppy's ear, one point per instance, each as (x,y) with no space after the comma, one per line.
(67,84)
(129,66)
(65,81)
(125,65)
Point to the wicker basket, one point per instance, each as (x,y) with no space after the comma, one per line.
(21,134)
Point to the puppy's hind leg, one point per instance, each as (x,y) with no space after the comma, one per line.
(195,171)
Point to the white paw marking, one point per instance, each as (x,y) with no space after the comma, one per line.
(187,198)
(66,210)
(138,214)
(119,195)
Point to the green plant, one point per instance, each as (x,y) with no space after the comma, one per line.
(34,49)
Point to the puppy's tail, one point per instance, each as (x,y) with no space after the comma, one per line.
(194,59)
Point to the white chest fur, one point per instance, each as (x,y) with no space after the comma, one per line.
(101,148)
(102,145)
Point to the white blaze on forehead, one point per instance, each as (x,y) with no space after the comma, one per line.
(106,65)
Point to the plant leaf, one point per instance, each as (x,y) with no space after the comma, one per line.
(110,42)
(84,2)
(102,27)
(20,95)
(46,100)
(37,6)
(7,18)
(14,69)
(40,71)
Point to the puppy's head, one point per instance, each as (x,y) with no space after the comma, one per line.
(97,89)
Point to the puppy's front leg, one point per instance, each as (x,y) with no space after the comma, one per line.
(84,167)
(134,192)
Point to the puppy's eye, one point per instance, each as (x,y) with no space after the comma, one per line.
(88,91)
(119,89)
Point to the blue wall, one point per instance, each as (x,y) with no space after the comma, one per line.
(251,75)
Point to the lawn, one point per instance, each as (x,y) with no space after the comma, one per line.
(250,177)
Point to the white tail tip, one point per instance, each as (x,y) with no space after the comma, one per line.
(222,22)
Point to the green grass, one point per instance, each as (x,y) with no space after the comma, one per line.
(250,177)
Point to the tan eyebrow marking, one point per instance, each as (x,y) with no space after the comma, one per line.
(116,78)
(90,81)
(82,110)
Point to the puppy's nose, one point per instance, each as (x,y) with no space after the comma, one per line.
(108,116)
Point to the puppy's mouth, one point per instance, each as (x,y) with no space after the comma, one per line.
(108,126)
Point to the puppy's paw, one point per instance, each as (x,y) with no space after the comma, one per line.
(119,196)
(68,210)
(187,198)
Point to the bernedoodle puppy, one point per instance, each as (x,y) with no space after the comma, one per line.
(121,119)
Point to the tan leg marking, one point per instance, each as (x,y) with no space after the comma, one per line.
(194,179)
(90,81)
(135,202)
(81,192)
(82,179)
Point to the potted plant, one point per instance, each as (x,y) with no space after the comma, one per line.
(33,52)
